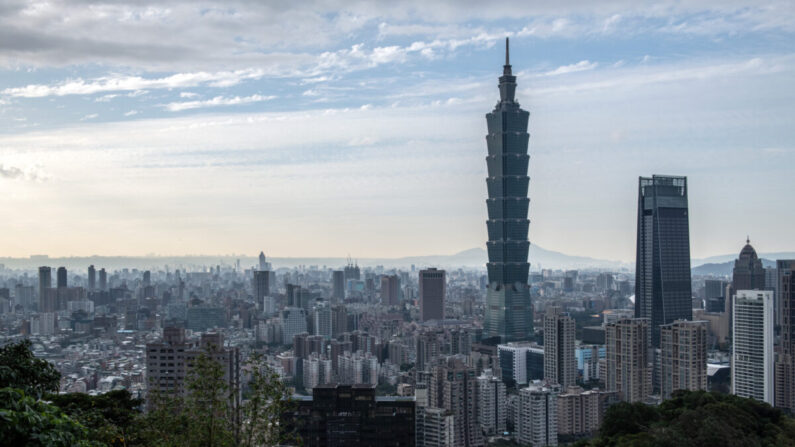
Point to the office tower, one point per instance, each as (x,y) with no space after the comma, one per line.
(785,355)
(262,262)
(433,286)
(323,321)
(435,427)
(168,363)
(146,279)
(748,273)
(683,365)
(580,412)
(627,368)
(453,386)
(662,267)
(491,403)
(45,283)
(537,418)
(339,317)
(92,278)
(345,415)
(752,355)
(559,363)
(103,280)
(520,362)
(261,285)
(62,282)
(508,311)
(390,290)
(293,322)
(338,279)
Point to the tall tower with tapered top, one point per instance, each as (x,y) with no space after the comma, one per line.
(509,314)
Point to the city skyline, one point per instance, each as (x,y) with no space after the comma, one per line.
(329,145)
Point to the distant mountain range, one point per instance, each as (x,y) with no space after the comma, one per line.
(472,258)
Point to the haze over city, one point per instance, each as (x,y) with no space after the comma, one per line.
(335,128)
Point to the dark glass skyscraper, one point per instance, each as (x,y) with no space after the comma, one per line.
(508,312)
(662,266)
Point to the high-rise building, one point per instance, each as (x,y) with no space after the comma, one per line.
(103,280)
(146,280)
(508,310)
(323,320)
(492,401)
(45,283)
(62,281)
(338,278)
(433,286)
(261,283)
(683,362)
(92,278)
(264,265)
(435,427)
(453,386)
(520,362)
(169,361)
(537,415)
(785,355)
(560,365)
(293,323)
(748,272)
(627,367)
(662,267)
(752,356)
(580,412)
(390,290)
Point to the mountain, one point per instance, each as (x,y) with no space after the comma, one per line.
(723,268)
(472,258)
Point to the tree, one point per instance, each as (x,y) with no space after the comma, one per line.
(110,418)
(25,420)
(268,399)
(207,403)
(20,369)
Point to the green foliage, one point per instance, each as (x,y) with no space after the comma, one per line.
(268,399)
(696,419)
(110,418)
(20,369)
(31,422)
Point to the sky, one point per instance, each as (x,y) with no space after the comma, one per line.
(328,128)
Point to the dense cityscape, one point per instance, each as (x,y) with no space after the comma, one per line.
(510,345)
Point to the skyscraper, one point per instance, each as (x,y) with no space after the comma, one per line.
(45,283)
(146,280)
(262,262)
(752,356)
(508,311)
(748,273)
(92,278)
(62,281)
(432,290)
(662,267)
(560,366)
(338,278)
(390,290)
(785,357)
(684,357)
(103,280)
(261,283)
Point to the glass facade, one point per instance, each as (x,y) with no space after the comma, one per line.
(662,269)
(508,312)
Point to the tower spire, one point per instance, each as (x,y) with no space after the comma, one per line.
(507,54)
(507,80)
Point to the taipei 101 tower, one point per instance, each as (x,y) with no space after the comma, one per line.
(509,314)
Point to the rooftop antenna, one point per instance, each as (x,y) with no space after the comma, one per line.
(507,56)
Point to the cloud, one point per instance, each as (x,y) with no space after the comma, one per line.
(90,116)
(136,84)
(216,101)
(131,113)
(15,173)
(572,68)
